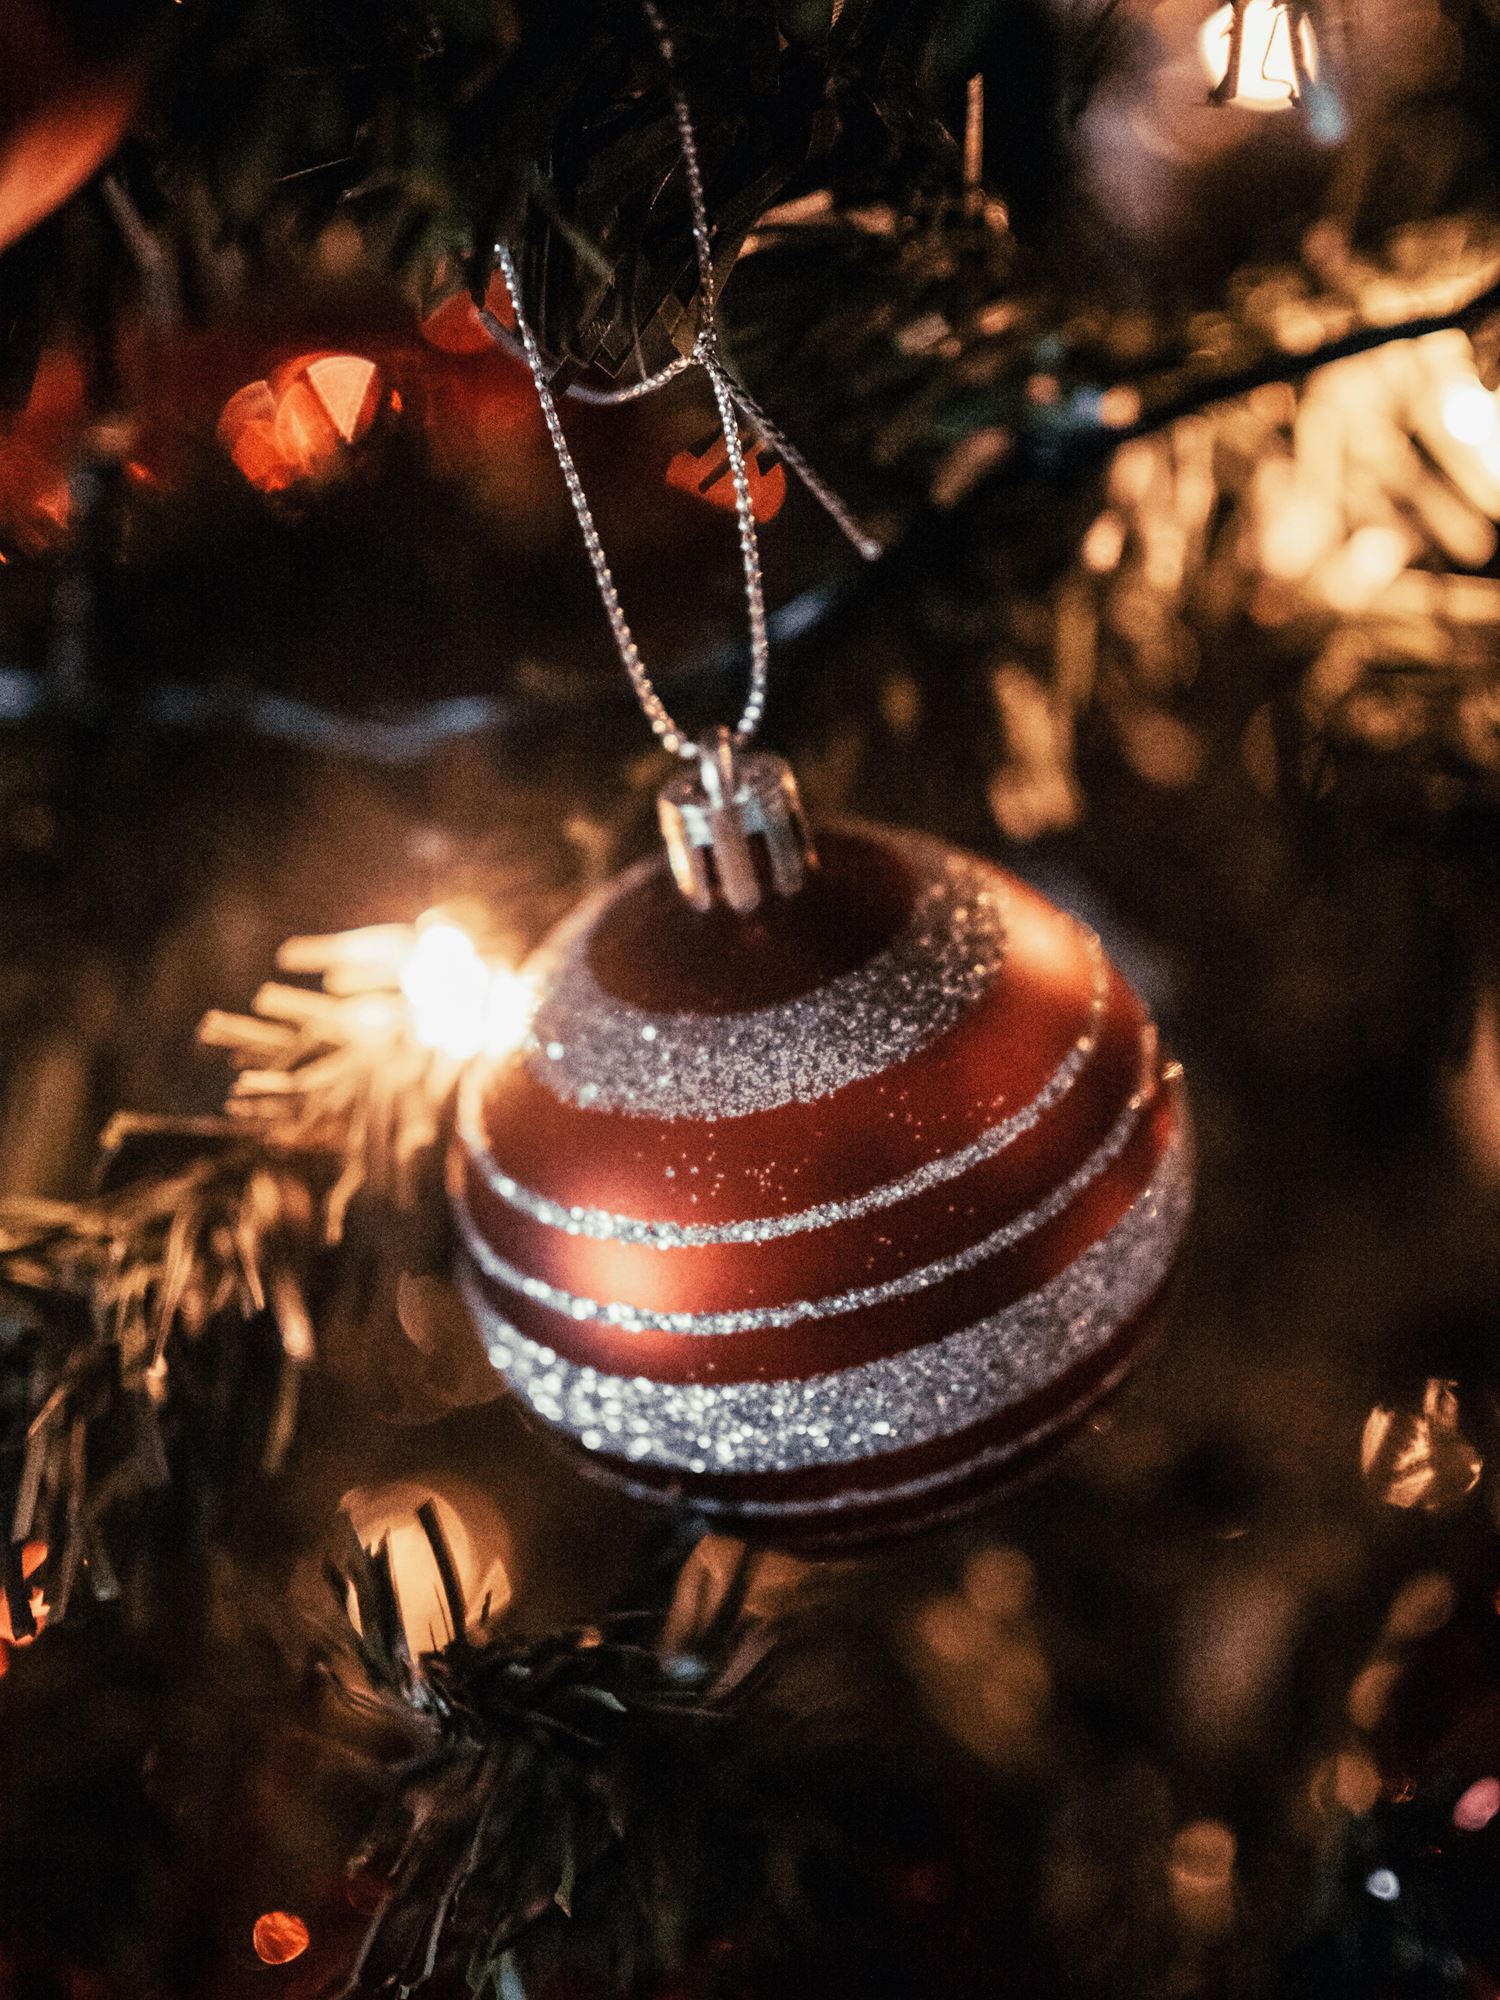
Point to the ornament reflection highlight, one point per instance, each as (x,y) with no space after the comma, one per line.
(1269,76)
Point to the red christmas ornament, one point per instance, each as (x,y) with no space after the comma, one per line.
(824,1210)
(68,89)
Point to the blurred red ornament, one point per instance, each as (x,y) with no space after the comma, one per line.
(37,446)
(829,1217)
(294,388)
(704,472)
(301,423)
(67,94)
(455,327)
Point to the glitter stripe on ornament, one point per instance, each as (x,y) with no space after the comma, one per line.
(591,1049)
(753,1319)
(603,1225)
(883,1497)
(875,1407)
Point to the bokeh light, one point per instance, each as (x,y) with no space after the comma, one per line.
(300,424)
(279,1937)
(1268,68)
(461,1003)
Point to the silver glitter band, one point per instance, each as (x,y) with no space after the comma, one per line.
(591,1049)
(877,1406)
(756,1319)
(603,1225)
(858,1497)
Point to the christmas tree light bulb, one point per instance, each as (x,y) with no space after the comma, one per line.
(478,1542)
(301,422)
(447,985)
(460,1002)
(1268,69)
(507,1011)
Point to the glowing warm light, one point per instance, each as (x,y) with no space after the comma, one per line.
(1420,1458)
(952,1631)
(1297,527)
(705,475)
(279,1937)
(344,386)
(1354,575)
(301,423)
(1104,544)
(1478,1806)
(459,1003)
(456,328)
(1203,1854)
(1200,1870)
(447,984)
(1371,1692)
(1469,411)
(1119,407)
(57,132)
(999,1582)
(507,1011)
(33,1555)
(1356,1782)
(1422,1606)
(1268,71)
(478,1540)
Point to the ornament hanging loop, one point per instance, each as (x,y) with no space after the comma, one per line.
(734,827)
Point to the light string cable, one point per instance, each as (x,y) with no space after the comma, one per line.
(732,401)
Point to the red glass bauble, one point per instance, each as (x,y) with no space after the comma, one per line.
(68,89)
(831,1217)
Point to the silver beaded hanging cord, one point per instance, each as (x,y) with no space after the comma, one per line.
(732,401)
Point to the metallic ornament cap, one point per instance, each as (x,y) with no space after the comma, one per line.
(734,828)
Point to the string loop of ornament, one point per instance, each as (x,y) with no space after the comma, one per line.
(732,401)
